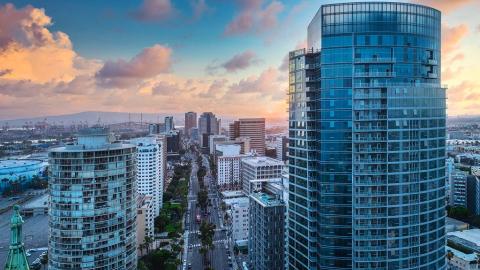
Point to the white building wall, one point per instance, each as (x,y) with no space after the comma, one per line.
(151,162)
(239,215)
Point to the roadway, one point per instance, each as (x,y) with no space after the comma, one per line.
(218,256)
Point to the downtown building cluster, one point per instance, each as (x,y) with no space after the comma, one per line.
(359,183)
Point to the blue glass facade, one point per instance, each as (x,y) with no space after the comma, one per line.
(92,210)
(367,140)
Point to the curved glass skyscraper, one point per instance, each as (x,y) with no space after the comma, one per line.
(93,209)
(367,140)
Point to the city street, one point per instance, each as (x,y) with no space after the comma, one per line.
(218,256)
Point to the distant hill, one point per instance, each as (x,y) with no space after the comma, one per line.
(93,117)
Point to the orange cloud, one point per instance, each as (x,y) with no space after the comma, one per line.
(451,37)
(444,5)
(27,47)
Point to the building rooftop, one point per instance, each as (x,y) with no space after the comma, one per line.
(472,257)
(242,201)
(39,202)
(80,148)
(470,237)
(266,199)
(232,194)
(262,161)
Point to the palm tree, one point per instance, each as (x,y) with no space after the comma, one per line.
(147,241)
(141,247)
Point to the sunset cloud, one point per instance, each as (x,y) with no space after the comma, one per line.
(268,83)
(254,14)
(444,5)
(155,10)
(451,37)
(240,61)
(27,47)
(148,63)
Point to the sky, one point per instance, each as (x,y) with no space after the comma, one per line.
(160,56)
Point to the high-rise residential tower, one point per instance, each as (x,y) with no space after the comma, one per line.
(367,140)
(151,168)
(208,124)
(266,231)
(93,204)
(190,122)
(169,124)
(253,128)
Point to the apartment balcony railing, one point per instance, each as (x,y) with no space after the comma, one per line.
(376,60)
(370,117)
(431,75)
(371,149)
(370,127)
(369,96)
(375,74)
(370,139)
(370,107)
(430,62)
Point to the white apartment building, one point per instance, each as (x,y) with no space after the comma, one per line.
(151,168)
(145,218)
(257,171)
(228,160)
(238,211)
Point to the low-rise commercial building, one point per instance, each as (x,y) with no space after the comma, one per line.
(458,260)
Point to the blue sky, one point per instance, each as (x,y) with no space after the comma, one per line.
(108,30)
(225,56)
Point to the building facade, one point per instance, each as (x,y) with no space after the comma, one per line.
(367,140)
(258,171)
(93,204)
(238,214)
(266,245)
(214,140)
(190,122)
(253,128)
(281,147)
(208,124)
(145,218)
(169,124)
(458,190)
(151,168)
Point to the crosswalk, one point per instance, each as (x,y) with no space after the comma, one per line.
(222,241)
(215,230)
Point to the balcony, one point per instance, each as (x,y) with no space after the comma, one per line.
(369,96)
(370,117)
(430,75)
(370,107)
(376,60)
(375,74)
(370,139)
(430,62)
